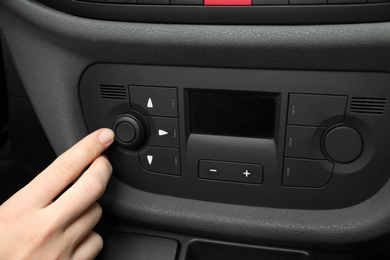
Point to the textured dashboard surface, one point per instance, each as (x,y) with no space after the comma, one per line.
(51,50)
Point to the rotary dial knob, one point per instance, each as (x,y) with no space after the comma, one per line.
(131,130)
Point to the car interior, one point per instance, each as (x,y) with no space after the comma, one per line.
(244,129)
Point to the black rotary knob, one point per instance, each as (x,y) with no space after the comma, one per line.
(342,144)
(130,130)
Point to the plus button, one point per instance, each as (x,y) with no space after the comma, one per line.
(246,173)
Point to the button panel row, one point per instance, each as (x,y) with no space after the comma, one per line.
(161,153)
(236,2)
(231,171)
(309,116)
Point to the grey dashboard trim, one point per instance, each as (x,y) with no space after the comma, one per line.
(51,49)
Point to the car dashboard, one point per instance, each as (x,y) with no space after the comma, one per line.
(243,129)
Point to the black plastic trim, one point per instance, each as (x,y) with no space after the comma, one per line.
(276,15)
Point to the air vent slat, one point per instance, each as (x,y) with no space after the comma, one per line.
(367,98)
(367,106)
(112,92)
(371,110)
(112,89)
(369,103)
(118,96)
(372,106)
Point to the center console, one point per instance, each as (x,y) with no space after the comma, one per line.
(285,139)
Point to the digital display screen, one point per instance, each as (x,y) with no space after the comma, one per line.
(243,114)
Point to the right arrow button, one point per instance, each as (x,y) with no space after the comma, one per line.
(163,132)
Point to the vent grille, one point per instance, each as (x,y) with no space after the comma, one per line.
(373,106)
(112,92)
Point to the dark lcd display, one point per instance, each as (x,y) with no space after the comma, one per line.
(248,114)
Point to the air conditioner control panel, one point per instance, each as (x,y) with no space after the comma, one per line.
(291,139)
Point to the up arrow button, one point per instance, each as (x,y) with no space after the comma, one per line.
(150,103)
(154,101)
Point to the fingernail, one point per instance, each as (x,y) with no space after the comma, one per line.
(106,136)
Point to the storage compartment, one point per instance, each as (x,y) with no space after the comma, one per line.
(125,246)
(208,250)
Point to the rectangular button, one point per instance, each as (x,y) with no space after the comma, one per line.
(346,1)
(186,2)
(122,1)
(307,173)
(160,160)
(163,132)
(154,2)
(304,142)
(308,2)
(229,171)
(94,1)
(269,2)
(315,110)
(154,101)
(227,2)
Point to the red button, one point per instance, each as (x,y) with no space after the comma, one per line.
(227,2)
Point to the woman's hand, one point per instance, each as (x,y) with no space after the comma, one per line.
(33,226)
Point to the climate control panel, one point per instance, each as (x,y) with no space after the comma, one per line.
(151,127)
(290,139)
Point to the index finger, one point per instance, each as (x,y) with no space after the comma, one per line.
(67,167)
